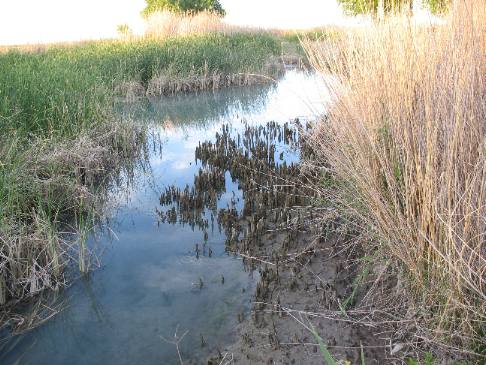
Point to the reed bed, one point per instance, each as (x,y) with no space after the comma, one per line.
(405,138)
(61,89)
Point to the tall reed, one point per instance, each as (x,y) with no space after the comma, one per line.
(406,136)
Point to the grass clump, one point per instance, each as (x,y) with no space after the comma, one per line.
(406,133)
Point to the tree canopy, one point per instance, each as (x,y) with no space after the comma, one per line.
(355,7)
(183,6)
(438,6)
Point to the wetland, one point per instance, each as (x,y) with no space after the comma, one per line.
(174,248)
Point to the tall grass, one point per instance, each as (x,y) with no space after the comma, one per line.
(62,89)
(406,137)
(163,24)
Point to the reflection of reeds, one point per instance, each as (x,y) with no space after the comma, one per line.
(198,110)
(406,137)
(166,84)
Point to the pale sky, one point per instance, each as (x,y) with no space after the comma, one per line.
(42,21)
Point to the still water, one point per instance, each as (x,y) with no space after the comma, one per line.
(151,280)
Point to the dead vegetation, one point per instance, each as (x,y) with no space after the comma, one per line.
(162,24)
(63,188)
(404,145)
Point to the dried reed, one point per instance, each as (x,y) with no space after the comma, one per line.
(406,137)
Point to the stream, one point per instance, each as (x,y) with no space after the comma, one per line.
(157,274)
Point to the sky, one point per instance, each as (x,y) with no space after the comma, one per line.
(44,21)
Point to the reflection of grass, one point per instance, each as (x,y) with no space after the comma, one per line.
(201,108)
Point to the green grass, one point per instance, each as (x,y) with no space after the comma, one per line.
(62,89)
(326,355)
(317,34)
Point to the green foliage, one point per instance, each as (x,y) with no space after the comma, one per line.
(355,7)
(124,30)
(317,34)
(61,90)
(439,6)
(357,282)
(427,360)
(183,6)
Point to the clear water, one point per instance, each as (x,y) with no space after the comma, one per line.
(148,284)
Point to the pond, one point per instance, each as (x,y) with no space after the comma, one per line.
(158,275)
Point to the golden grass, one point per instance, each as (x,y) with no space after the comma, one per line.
(407,136)
(164,24)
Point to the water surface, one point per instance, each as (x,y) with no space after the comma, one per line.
(151,280)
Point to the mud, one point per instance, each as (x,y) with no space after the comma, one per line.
(311,275)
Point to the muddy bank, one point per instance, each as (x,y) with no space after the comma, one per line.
(311,275)
(311,282)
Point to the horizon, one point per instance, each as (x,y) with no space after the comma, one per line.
(57,21)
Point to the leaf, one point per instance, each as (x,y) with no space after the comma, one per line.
(329,360)
(363,362)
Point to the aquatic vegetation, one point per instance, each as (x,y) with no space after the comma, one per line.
(405,138)
(255,160)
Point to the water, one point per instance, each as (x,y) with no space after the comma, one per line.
(152,281)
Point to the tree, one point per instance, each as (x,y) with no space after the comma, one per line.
(183,6)
(355,7)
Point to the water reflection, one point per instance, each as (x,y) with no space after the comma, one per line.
(154,278)
(201,109)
